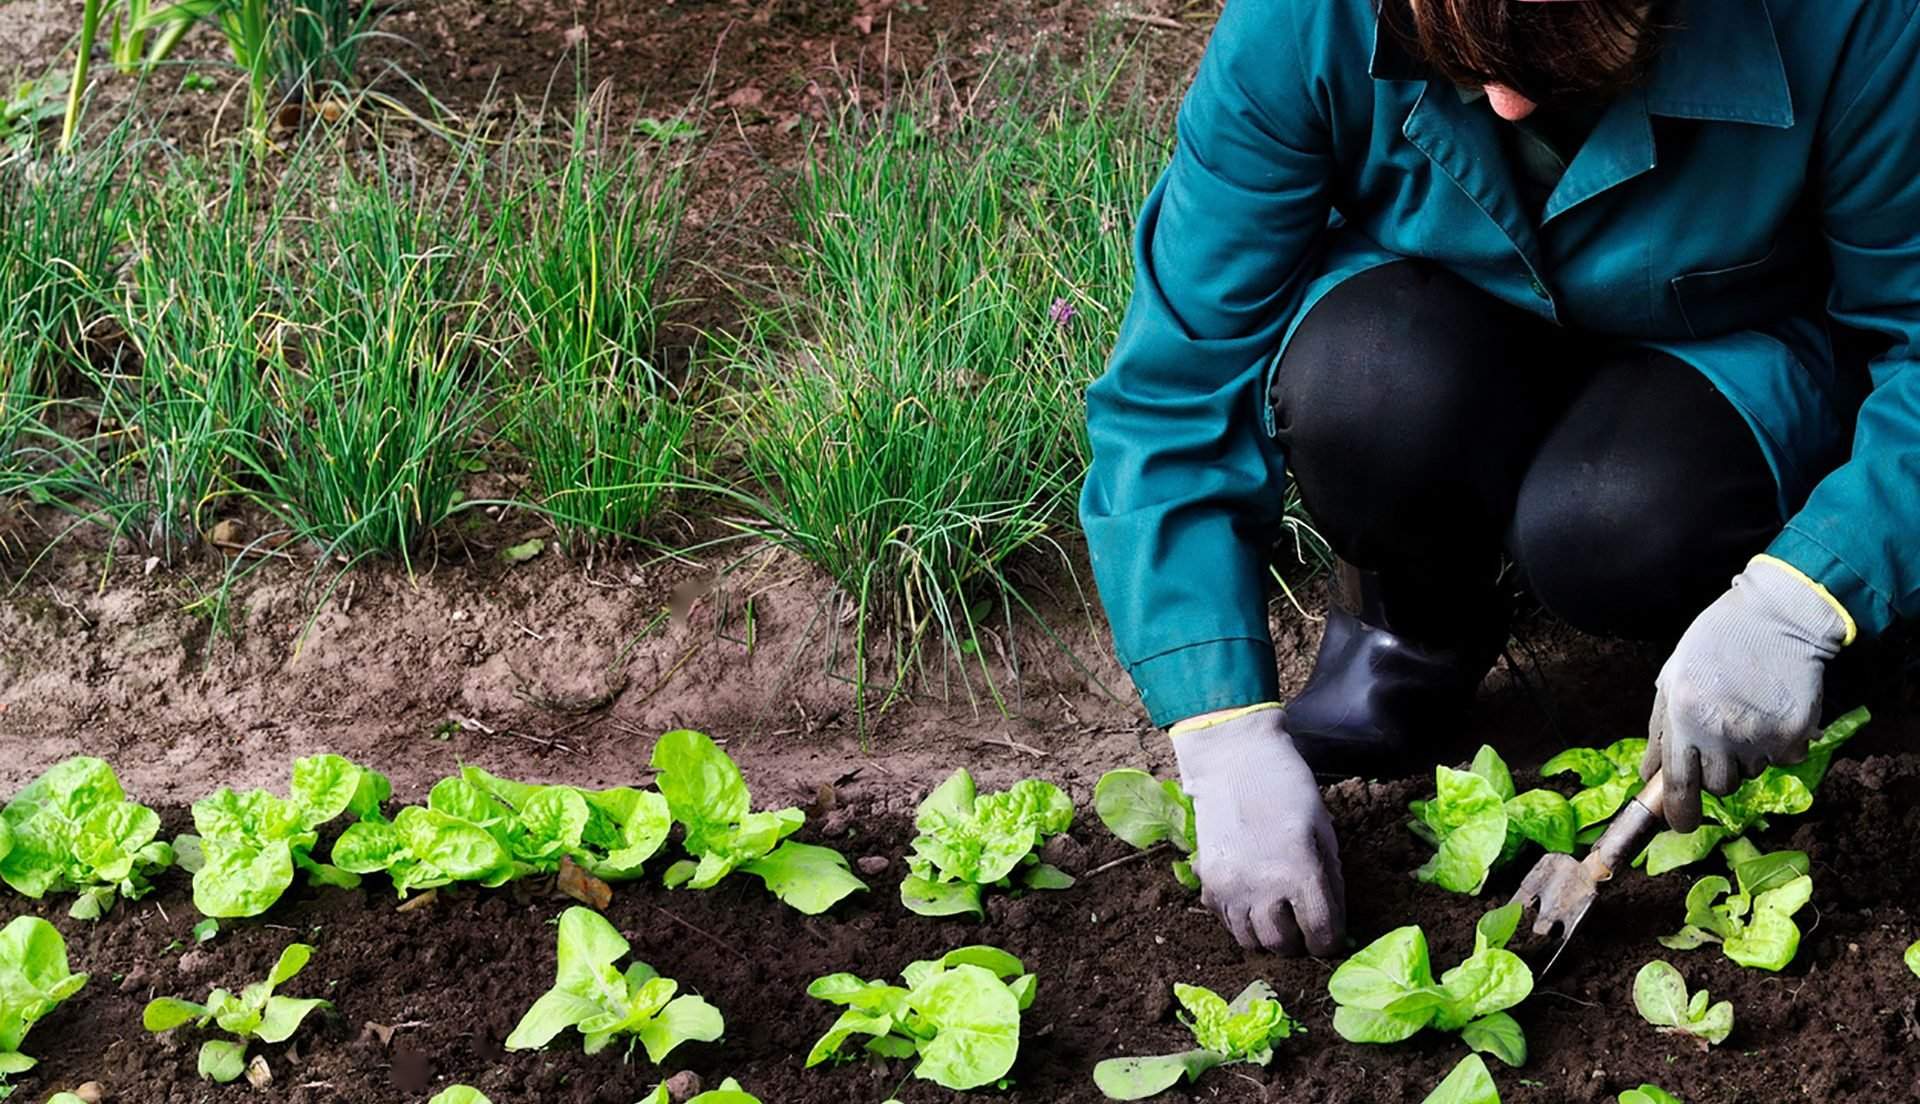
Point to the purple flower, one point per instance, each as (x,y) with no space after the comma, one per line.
(1061,312)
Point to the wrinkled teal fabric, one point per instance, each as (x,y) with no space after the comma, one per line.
(1763,180)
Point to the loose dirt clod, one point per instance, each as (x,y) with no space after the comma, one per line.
(683,1086)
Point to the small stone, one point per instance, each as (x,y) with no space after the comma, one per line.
(195,962)
(135,978)
(92,1092)
(1853,948)
(873,865)
(683,1086)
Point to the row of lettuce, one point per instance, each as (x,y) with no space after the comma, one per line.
(74,830)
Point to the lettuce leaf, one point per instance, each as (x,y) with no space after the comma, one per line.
(249,844)
(256,1012)
(34,979)
(969,840)
(1477,823)
(1386,992)
(960,1013)
(592,995)
(1660,996)
(1145,811)
(72,830)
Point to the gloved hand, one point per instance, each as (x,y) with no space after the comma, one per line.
(1268,862)
(1743,687)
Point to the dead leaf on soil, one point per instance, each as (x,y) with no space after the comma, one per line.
(583,887)
(419,901)
(379,1031)
(258,1074)
(746,97)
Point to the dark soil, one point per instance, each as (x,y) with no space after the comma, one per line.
(452,979)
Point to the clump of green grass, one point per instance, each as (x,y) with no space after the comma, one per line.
(913,415)
(381,378)
(583,252)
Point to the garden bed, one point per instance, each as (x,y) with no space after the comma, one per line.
(453,978)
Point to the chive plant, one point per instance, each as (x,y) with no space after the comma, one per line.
(200,313)
(64,220)
(372,408)
(583,252)
(912,416)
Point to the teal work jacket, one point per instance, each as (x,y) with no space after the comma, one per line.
(1762,185)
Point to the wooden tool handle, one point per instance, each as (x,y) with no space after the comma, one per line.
(1632,827)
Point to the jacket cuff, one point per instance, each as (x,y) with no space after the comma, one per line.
(1870,610)
(1200,678)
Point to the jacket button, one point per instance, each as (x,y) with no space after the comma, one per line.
(1539,288)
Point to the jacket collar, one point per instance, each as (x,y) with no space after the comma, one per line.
(1721,63)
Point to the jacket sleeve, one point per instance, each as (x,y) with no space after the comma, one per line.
(1184,494)
(1858,534)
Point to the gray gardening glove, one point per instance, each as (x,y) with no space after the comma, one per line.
(1742,689)
(1268,862)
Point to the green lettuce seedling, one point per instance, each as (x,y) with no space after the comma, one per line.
(602,1002)
(1241,1031)
(34,979)
(249,844)
(1478,823)
(254,1013)
(1608,777)
(1649,1094)
(707,794)
(1912,957)
(1145,811)
(1783,791)
(72,830)
(478,828)
(1660,995)
(1753,926)
(960,1013)
(1469,1083)
(729,1092)
(969,841)
(460,1094)
(1386,993)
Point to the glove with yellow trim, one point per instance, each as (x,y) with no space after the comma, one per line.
(1743,687)
(1265,852)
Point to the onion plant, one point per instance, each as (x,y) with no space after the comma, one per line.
(583,253)
(912,418)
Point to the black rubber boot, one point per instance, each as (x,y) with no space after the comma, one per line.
(1381,704)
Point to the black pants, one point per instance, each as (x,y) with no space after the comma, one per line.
(1429,427)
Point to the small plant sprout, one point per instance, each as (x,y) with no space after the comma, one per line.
(1660,995)
(969,841)
(1753,925)
(729,1092)
(34,979)
(460,1094)
(1386,993)
(960,1013)
(1649,1094)
(249,844)
(707,794)
(594,996)
(1145,812)
(72,830)
(1912,957)
(1784,790)
(254,1013)
(1608,777)
(1241,1031)
(1477,822)
(1469,1083)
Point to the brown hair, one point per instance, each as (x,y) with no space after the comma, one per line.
(1559,49)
